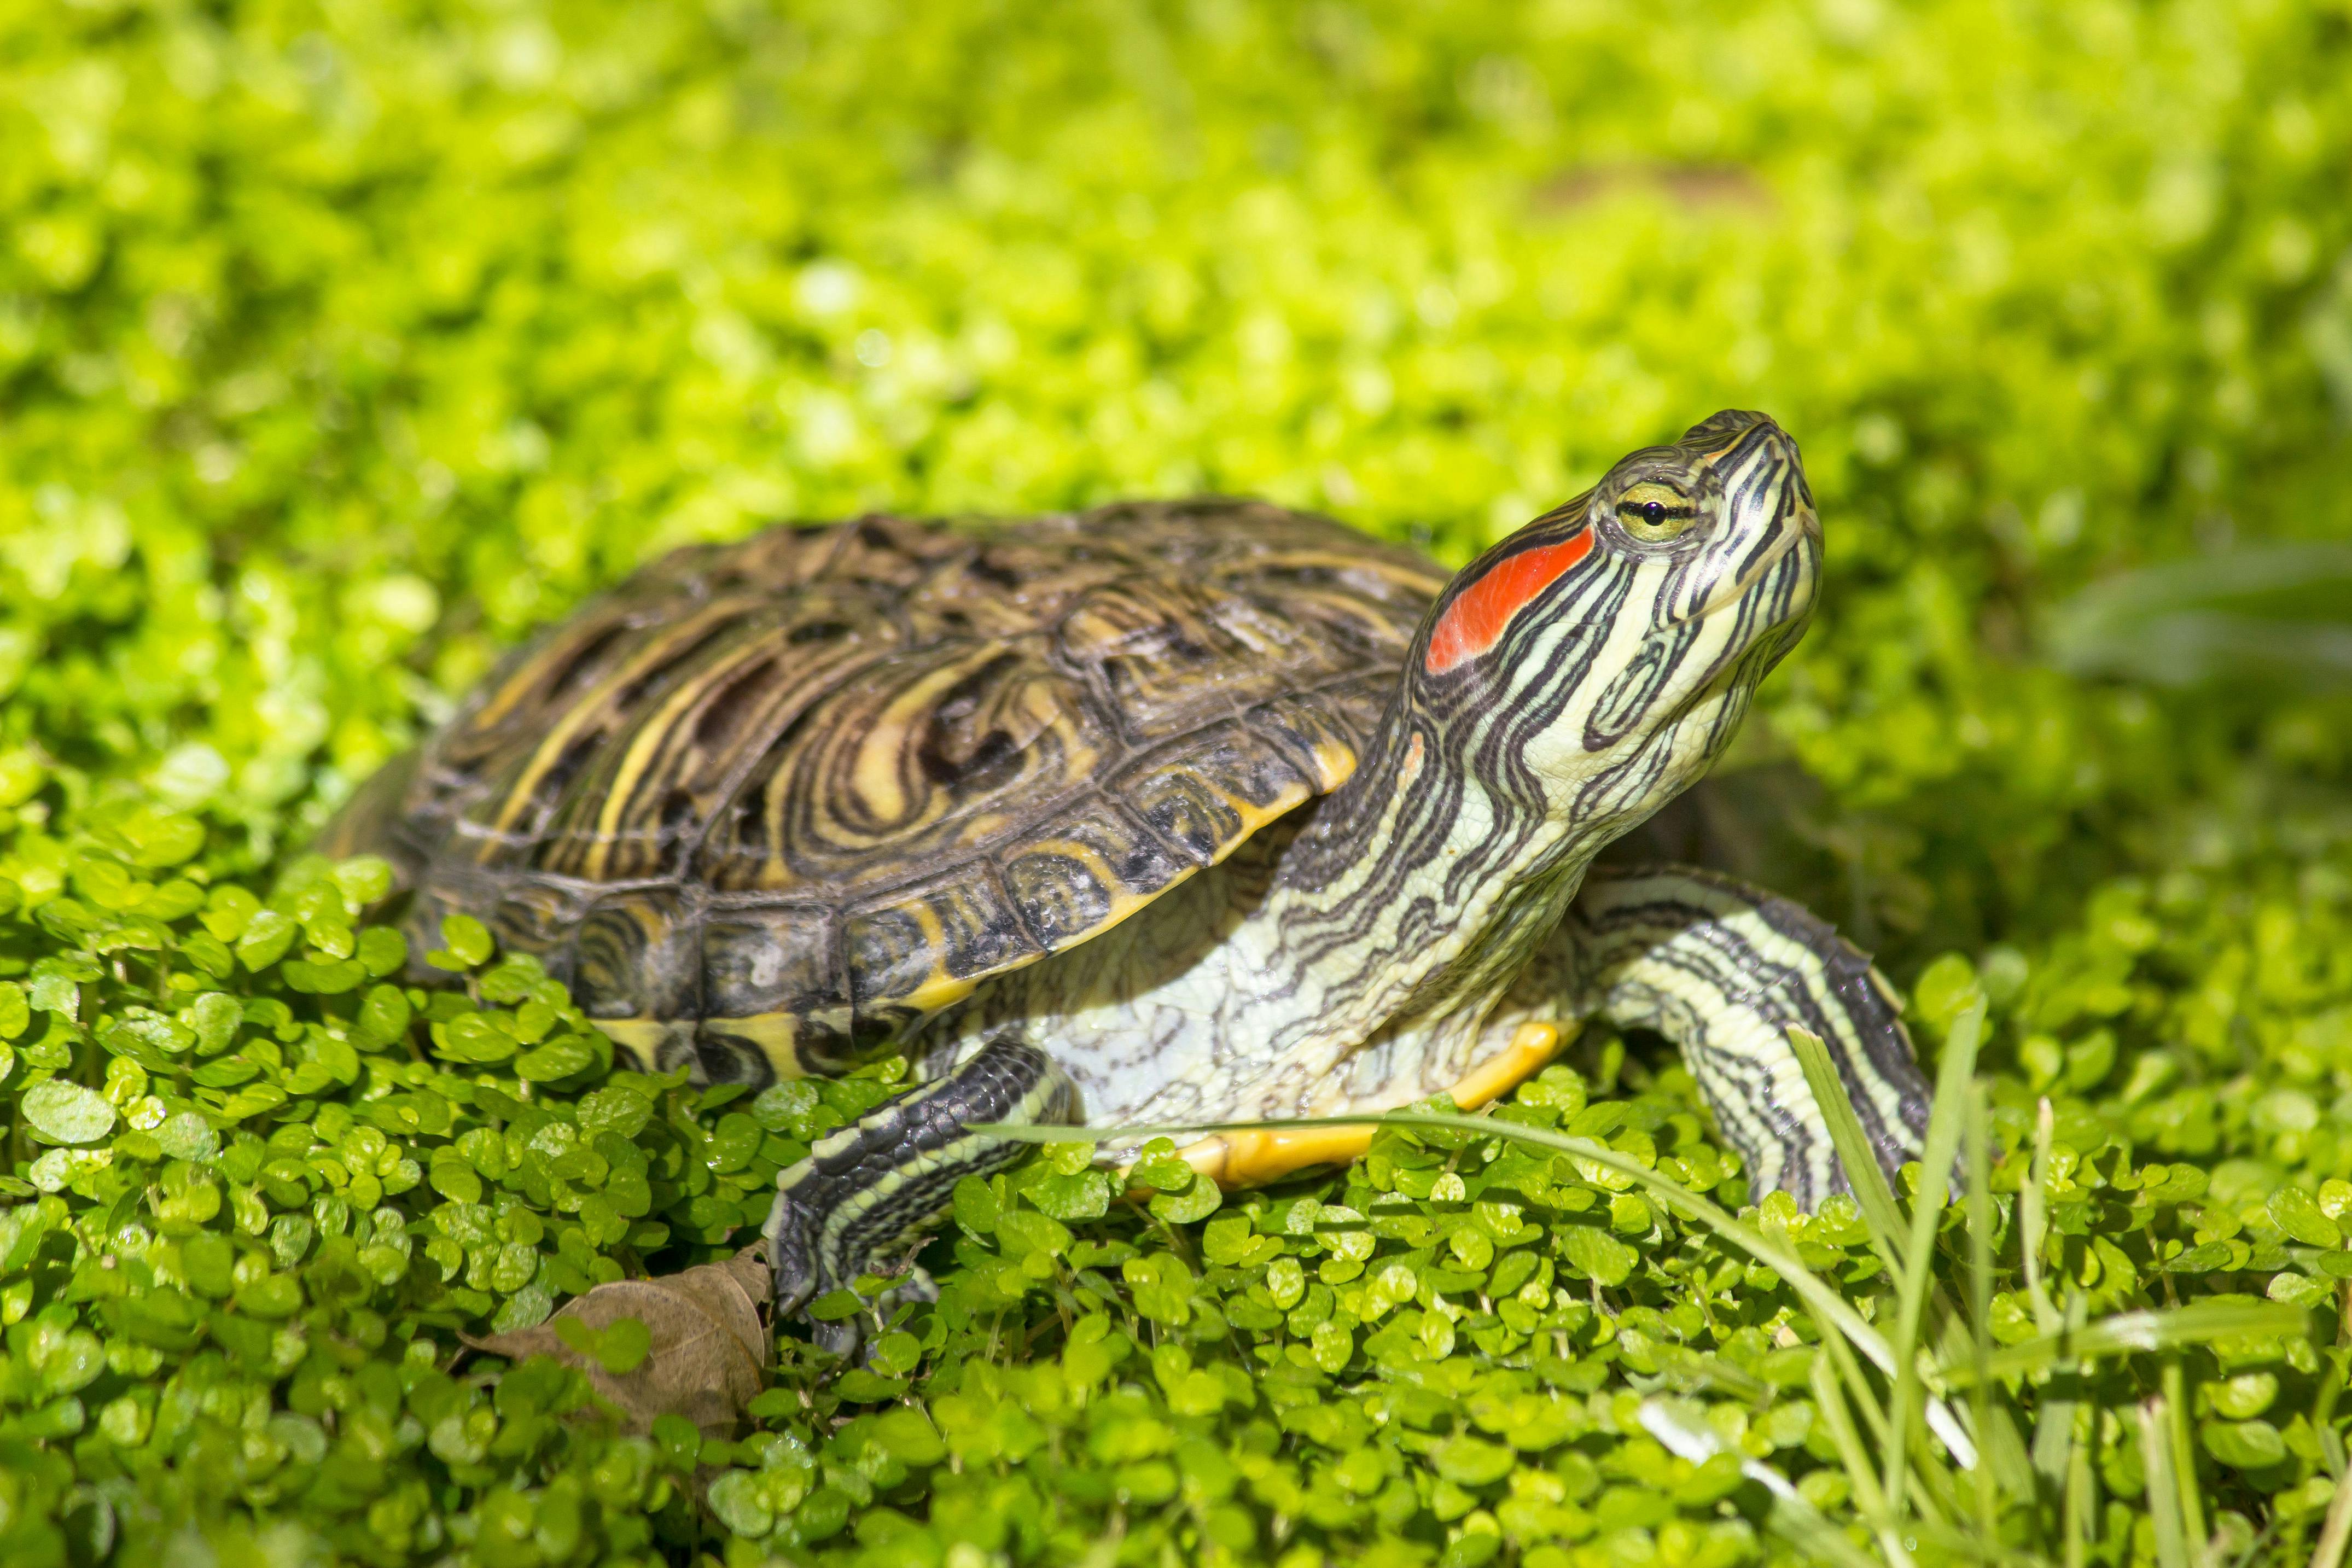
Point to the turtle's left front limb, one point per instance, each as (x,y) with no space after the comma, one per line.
(1723,970)
(891,1175)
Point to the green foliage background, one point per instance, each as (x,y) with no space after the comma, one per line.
(343,344)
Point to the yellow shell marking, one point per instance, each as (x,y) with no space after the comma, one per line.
(941,989)
(641,1038)
(501,703)
(878,782)
(1335,759)
(1254,816)
(653,739)
(591,709)
(774,1033)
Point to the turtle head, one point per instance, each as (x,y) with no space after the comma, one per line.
(1600,659)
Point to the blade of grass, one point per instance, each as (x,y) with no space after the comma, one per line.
(1828,1308)
(2034,1221)
(2339,1359)
(2248,1554)
(2055,1440)
(2053,1431)
(2000,1429)
(1898,1538)
(2163,1488)
(1857,1383)
(1862,1476)
(1977,1140)
(2335,1534)
(1790,1517)
(1996,1430)
(1881,1216)
(2152,1329)
(2184,1457)
(1826,1304)
(1954,1074)
(2082,1502)
(1880,1213)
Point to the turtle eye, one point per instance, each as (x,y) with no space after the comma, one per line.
(1654,511)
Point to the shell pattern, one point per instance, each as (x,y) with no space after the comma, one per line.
(770,803)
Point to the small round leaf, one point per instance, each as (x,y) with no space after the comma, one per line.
(63,1112)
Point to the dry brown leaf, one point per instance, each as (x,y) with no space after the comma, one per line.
(709,1344)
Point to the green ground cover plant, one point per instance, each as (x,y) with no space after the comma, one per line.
(342,344)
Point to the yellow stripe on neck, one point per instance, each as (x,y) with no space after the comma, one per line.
(1254,1159)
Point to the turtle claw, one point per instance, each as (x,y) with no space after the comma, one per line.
(915,1285)
(839,1339)
(844,1338)
(884,1181)
(802,1279)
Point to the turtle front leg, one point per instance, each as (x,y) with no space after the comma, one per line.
(891,1175)
(1723,970)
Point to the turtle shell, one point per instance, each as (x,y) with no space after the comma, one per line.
(768,804)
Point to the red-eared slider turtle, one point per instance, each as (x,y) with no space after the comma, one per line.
(1163,812)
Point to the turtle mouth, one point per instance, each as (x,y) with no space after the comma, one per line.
(1801,538)
(1782,567)
(1769,476)
(1773,586)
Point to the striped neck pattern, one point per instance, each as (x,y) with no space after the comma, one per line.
(1565,685)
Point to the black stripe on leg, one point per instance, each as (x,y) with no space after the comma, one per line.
(1724,970)
(893,1173)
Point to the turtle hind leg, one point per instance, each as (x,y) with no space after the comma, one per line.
(891,1175)
(1724,970)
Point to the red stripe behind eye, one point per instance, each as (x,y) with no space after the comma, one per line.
(1473,622)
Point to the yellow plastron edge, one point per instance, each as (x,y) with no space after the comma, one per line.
(1252,1159)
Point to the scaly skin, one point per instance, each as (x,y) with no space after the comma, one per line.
(1167,812)
(1416,935)
(1359,965)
